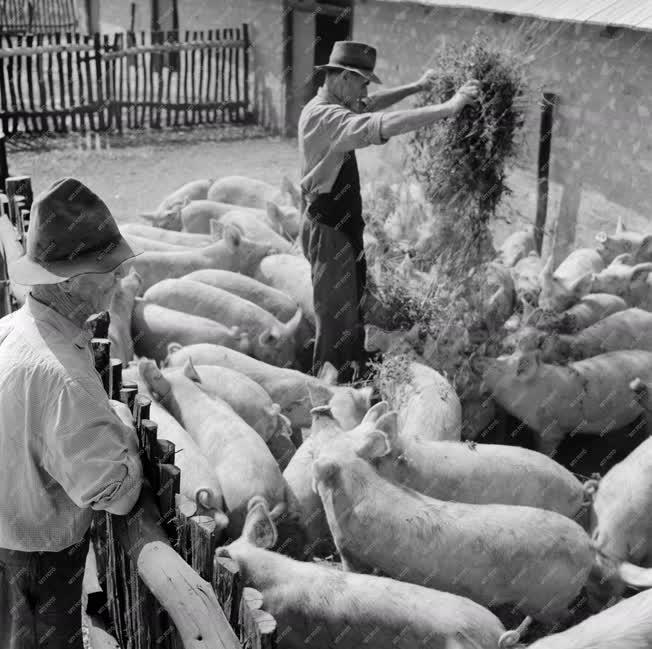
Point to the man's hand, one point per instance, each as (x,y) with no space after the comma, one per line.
(426,81)
(467,94)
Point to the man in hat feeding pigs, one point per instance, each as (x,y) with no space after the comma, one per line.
(65,448)
(338,120)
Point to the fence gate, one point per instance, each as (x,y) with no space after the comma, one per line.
(71,82)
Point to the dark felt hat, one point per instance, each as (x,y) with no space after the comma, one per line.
(71,232)
(356,57)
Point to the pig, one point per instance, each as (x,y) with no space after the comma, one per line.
(287,387)
(590,309)
(526,273)
(621,525)
(152,244)
(629,329)
(627,625)
(318,606)
(253,228)
(199,482)
(276,302)
(428,405)
(493,554)
(249,192)
(196,216)
(185,239)
(242,462)
(233,252)
(290,274)
(618,277)
(192,191)
(120,312)
(494,294)
(153,327)
(473,473)
(588,396)
(298,475)
(622,241)
(572,279)
(391,342)
(271,341)
(248,399)
(516,247)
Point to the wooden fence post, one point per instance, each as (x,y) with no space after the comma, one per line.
(15,187)
(4,166)
(545,137)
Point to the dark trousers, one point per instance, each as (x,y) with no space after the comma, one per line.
(338,282)
(40,598)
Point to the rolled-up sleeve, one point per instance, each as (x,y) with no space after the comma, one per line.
(349,130)
(90,452)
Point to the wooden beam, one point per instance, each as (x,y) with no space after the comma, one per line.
(545,136)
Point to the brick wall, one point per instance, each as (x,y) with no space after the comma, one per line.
(602,141)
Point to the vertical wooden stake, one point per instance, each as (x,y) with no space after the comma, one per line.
(545,137)
(102,352)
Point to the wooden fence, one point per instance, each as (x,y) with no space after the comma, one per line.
(71,82)
(37,16)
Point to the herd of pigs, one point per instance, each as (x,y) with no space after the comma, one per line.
(214,322)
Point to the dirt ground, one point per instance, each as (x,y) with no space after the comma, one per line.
(133,173)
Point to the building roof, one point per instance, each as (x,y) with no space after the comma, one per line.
(635,14)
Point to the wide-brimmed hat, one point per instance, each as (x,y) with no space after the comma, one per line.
(71,232)
(352,56)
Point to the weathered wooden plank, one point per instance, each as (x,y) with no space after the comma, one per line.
(128,393)
(116,378)
(227,584)
(257,627)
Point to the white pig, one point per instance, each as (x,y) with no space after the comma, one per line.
(271,341)
(493,554)
(287,387)
(252,228)
(241,460)
(120,312)
(233,252)
(154,327)
(185,239)
(517,246)
(317,606)
(571,280)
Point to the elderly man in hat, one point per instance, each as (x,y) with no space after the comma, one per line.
(65,449)
(338,120)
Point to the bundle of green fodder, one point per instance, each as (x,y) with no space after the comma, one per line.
(461,161)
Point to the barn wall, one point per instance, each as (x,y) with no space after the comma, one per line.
(265,19)
(601,142)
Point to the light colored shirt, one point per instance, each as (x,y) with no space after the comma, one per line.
(327,131)
(64,452)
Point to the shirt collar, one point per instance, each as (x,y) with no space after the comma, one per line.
(80,338)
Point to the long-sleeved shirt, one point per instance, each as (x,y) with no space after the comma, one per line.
(64,452)
(327,131)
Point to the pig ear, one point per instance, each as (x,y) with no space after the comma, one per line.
(259,529)
(216,229)
(375,413)
(620,226)
(375,444)
(292,326)
(273,211)
(288,187)
(190,371)
(528,364)
(232,236)
(641,269)
(269,337)
(319,395)
(388,424)
(582,286)
(328,374)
